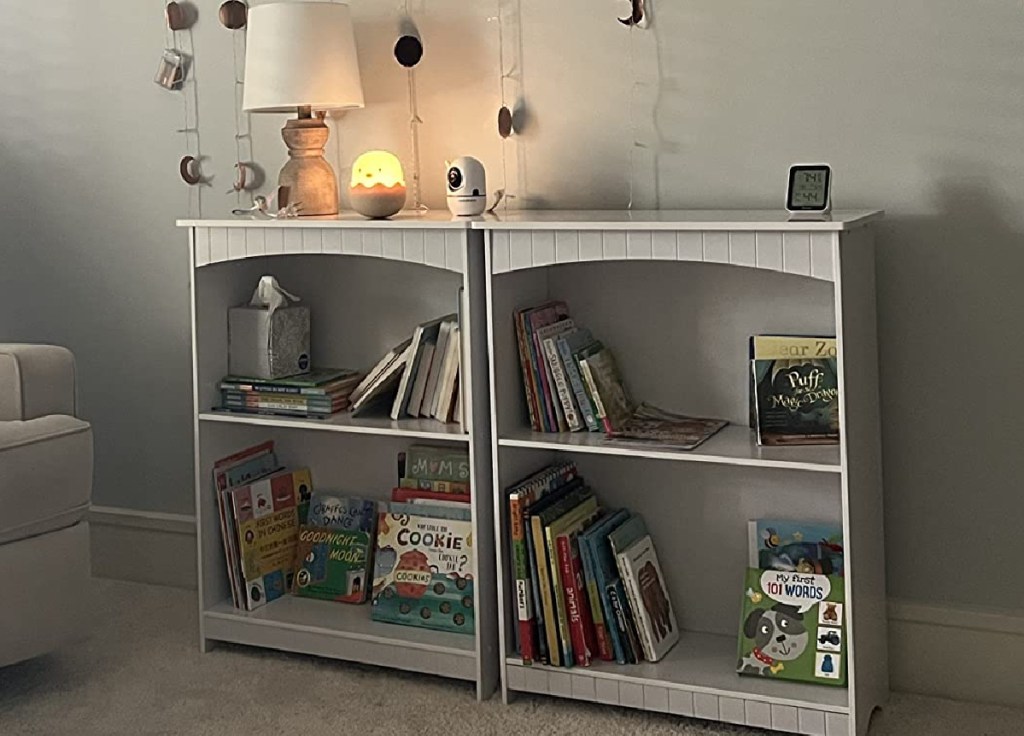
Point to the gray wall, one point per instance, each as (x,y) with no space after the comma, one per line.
(918,105)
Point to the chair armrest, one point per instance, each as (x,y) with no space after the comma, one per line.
(36,380)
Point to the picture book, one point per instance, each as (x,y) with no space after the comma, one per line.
(796,546)
(438,486)
(429,403)
(437,462)
(266,515)
(419,384)
(649,425)
(601,374)
(602,638)
(551,369)
(379,371)
(423,570)
(527,322)
(520,498)
(320,382)
(424,333)
(333,564)
(792,627)
(228,472)
(648,595)
(576,642)
(605,579)
(335,511)
(448,382)
(796,390)
(382,388)
(569,344)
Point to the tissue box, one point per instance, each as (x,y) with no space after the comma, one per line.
(265,345)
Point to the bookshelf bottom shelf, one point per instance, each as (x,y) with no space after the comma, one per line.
(696,679)
(346,632)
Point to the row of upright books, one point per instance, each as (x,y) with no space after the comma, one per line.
(418,378)
(572,382)
(411,557)
(588,584)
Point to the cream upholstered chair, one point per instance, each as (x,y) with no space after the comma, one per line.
(45,485)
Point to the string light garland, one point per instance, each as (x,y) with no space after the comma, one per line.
(233,15)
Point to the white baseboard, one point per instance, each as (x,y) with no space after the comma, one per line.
(143,546)
(961,652)
(953,652)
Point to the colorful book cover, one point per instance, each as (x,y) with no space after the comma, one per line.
(519,322)
(792,627)
(345,513)
(602,574)
(536,318)
(423,572)
(796,385)
(566,394)
(653,613)
(433,462)
(562,575)
(333,564)
(568,345)
(806,547)
(542,514)
(266,515)
(582,629)
(606,383)
(551,367)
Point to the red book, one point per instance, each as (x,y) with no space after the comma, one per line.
(409,494)
(581,627)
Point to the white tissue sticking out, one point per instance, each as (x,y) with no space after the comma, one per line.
(269,294)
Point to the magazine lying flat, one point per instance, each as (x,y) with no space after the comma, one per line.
(650,426)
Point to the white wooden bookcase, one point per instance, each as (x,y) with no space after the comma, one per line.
(368,284)
(676,296)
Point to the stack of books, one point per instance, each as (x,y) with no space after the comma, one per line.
(572,383)
(424,567)
(315,395)
(419,377)
(588,584)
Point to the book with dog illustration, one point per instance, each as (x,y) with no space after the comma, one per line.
(796,390)
(793,627)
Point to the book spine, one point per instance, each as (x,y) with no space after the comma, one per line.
(573,601)
(595,395)
(437,486)
(537,363)
(540,640)
(551,402)
(643,628)
(605,648)
(524,606)
(228,559)
(572,372)
(432,463)
(267,389)
(543,572)
(524,366)
(558,582)
(565,396)
(623,620)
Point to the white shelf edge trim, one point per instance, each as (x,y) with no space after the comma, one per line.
(384,429)
(809,254)
(435,248)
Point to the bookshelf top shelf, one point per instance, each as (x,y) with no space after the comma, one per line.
(434,219)
(678,220)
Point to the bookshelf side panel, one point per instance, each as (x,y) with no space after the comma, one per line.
(862,476)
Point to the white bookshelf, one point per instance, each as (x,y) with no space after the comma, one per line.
(368,284)
(676,296)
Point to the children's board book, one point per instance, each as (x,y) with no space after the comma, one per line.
(792,627)
(333,564)
(437,463)
(335,511)
(423,569)
(652,609)
(266,516)
(796,546)
(796,390)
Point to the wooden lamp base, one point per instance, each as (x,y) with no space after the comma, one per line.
(307,180)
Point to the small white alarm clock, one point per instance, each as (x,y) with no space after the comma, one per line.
(809,191)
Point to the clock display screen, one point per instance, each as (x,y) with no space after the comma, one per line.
(808,188)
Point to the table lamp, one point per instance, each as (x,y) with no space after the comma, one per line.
(301,57)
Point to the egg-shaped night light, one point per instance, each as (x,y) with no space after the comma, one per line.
(378,186)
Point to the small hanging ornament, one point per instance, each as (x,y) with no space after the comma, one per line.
(408,50)
(170,72)
(638,16)
(505,122)
(233,14)
(189,170)
(180,16)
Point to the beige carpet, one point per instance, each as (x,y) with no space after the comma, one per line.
(142,673)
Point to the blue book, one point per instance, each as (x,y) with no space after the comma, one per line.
(344,513)
(569,344)
(606,574)
(808,547)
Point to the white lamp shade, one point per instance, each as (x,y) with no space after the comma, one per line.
(301,54)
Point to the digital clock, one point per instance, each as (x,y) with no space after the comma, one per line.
(810,189)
